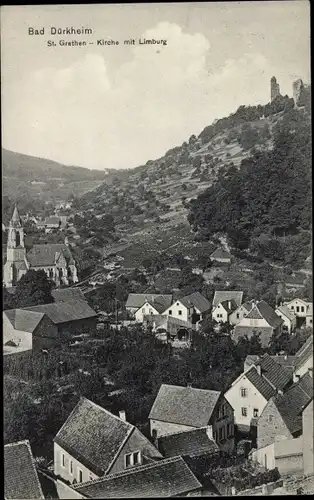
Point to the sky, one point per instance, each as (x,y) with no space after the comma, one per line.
(120,106)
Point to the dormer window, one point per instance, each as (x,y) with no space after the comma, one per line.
(131,459)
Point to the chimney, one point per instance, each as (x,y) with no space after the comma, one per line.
(286,357)
(189,384)
(259,369)
(229,304)
(122,415)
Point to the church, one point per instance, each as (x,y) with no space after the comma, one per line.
(55,259)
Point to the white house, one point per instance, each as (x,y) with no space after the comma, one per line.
(180,309)
(239,313)
(288,317)
(136,300)
(151,307)
(303,311)
(222,312)
(185,307)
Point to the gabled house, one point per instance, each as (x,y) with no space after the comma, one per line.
(261,319)
(191,308)
(304,360)
(167,478)
(155,305)
(303,311)
(225,303)
(136,300)
(223,295)
(93,443)
(178,409)
(279,428)
(20,475)
(240,312)
(221,255)
(288,317)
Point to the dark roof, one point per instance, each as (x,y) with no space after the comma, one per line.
(221,296)
(196,300)
(287,362)
(15,219)
(159,303)
(53,220)
(220,253)
(24,320)
(263,387)
(184,405)
(45,255)
(304,353)
(166,478)
(136,300)
(188,443)
(20,474)
(62,312)
(93,436)
(275,373)
(65,294)
(286,312)
(263,310)
(231,303)
(291,404)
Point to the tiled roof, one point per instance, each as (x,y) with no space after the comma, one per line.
(290,405)
(184,405)
(166,478)
(220,253)
(286,312)
(52,221)
(65,294)
(263,387)
(44,255)
(263,310)
(159,303)
(62,312)
(304,353)
(227,303)
(20,474)
(93,436)
(136,300)
(276,374)
(188,443)
(287,362)
(196,300)
(221,296)
(24,320)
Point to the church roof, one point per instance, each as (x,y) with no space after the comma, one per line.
(15,220)
(45,255)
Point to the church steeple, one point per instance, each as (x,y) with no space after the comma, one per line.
(16,264)
(16,231)
(15,220)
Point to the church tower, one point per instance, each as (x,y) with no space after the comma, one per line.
(16,264)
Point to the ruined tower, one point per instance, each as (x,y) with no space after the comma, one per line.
(297,88)
(274,89)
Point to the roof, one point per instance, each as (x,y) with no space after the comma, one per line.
(93,436)
(45,255)
(251,359)
(184,405)
(286,312)
(20,474)
(160,304)
(263,387)
(229,305)
(190,443)
(286,361)
(24,320)
(220,253)
(15,219)
(304,353)
(275,373)
(221,296)
(196,300)
(263,310)
(291,404)
(166,478)
(65,294)
(52,221)
(62,312)
(136,300)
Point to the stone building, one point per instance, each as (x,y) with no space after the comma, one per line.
(274,89)
(55,259)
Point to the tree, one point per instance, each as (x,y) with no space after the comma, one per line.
(34,288)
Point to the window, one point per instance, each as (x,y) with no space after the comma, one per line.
(137,458)
(238,315)
(132,459)
(302,309)
(243,392)
(79,475)
(244,412)
(71,467)
(230,430)
(292,307)
(311,321)
(180,312)
(62,460)
(178,303)
(298,309)
(150,311)
(170,312)
(255,412)
(270,418)
(220,433)
(143,310)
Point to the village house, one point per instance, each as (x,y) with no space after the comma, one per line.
(261,319)
(178,409)
(166,478)
(221,255)
(224,304)
(156,305)
(20,475)
(279,428)
(25,330)
(303,311)
(52,223)
(93,443)
(55,259)
(304,360)
(288,317)
(239,313)
(249,393)
(70,317)
(191,308)
(136,300)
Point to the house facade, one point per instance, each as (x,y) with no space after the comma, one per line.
(302,310)
(180,310)
(147,309)
(239,313)
(222,312)
(136,300)
(55,259)
(180,409)
(288,317)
